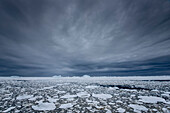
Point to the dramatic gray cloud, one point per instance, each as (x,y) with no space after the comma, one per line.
(74,37)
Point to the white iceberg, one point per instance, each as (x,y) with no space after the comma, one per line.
(86,76)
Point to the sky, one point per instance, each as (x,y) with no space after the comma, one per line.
(77,37)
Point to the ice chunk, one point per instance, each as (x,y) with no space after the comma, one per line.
(44,106)
(9,109)
(102,96)
(121,110)
(91,87)
(83,94)
(65,106)
(25,96)
(68,96)
(151,99)
(138,108)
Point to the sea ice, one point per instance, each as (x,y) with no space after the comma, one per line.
(121,110)
(25,96)
(138,108)
(65,106)
(83,94)
(102,96)
(68,96)
(44,106)
(9,109)
(151,99)
(91,87)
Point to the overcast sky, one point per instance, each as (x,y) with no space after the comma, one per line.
(76,37)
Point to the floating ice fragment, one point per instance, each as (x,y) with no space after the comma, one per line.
(65,106)
(151,99)
(91,87)
(113,88)
(44,106)
(83,94)
(165,110)
(102,96)
(165,95)
(68,96)
(9,109)
(155,90)
(121,110)
(52,99)
(25,96)
(51,87)
(118,101)
(108,111)
(138,108)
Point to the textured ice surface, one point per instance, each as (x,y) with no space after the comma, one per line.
(102,96)
(138,108)
(151,99)
(121,110)
(9,109)
(44,106)
(25,96)
(68,105)
(85,94)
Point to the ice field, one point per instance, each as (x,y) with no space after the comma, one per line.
(85,94)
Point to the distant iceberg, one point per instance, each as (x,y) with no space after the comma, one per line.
(86,76)
(57,76)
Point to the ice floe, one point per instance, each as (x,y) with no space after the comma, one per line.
(65,106)
(151,99)
(138,108)
(83,94)
(44,106)
(9,109)
(91,87)
(68,96)
(25,96)
(102,96)
(121,110)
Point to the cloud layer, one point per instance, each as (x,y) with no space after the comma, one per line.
(75,37)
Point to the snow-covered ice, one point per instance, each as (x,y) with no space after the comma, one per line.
(84,94)
(102,96)
(138,108)
(121,110)
(65,106)
(9,109)
(44,106)
(25,96)
(151,99)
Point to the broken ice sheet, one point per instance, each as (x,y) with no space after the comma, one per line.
(151,99)
(138,108)
(8,110)
(44,106)
(25,96)
(65,106)
(76,96)
(102,96)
